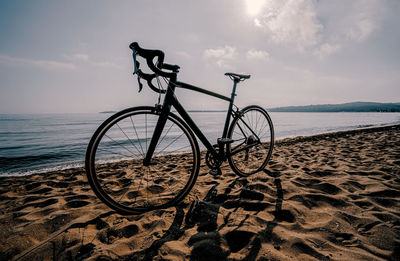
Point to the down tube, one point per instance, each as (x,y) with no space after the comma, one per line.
(186,117)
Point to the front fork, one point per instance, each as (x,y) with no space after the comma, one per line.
(164,111)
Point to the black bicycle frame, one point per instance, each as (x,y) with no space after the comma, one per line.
(171,100)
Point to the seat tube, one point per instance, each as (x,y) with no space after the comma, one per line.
(228,115)
(165,110)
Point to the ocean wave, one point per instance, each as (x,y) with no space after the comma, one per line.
(13,148)
(14,119)
(11,162)
(40,170)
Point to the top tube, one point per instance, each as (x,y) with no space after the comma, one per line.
(198,89)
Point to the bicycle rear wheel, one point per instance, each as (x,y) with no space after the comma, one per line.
(114,161)
(252,133)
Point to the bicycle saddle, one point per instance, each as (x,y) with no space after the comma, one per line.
(237,77)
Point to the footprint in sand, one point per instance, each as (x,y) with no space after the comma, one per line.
(77,201)
(41,204)
(109,235)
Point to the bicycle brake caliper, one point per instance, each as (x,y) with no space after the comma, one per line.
(158,109)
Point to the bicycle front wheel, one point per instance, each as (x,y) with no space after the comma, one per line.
(252,133)
(114,161)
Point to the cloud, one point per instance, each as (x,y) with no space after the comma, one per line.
(257,55)
(361,30)
(183,54)
(222,55)
(326,49)
(105,65)
(291,22)
(44,64)
(363,19)
(81,57)
(257,22)
(298,24)
(77,57)
(254,6)
(56,65)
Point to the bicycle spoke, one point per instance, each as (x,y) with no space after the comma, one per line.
(170,144)
(257,122)
(128,138)
(120,145)
(248,120)
(261,125)
(137,136)
(169,188)
(252,120)
(165,134)
(147,185)
(264,126)
(116,153)
(138,190)
(251,156)
(265,135)
(127,185)
(126,190)
(172,152)
(241,129)
(152,182)
(145,120)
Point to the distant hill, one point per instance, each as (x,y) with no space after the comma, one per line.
(108,112)
(345,107)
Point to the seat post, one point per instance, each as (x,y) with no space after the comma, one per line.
(235,81)
(228,115)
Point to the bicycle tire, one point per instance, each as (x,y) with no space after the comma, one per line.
(252,128)
(114,161)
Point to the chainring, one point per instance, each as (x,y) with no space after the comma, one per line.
(211,161)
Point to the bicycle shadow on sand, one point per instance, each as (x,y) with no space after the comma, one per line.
(234,218)
(216,242)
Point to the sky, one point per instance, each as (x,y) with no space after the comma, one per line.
(73,56)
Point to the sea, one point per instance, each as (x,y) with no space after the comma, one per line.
(39,143)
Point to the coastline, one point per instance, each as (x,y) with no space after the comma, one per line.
(331,196)
(336,134)
(76,165)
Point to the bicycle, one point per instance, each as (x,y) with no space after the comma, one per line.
(146,158)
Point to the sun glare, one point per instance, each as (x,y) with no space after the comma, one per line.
(254,6)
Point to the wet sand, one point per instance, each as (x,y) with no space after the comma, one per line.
(325,197)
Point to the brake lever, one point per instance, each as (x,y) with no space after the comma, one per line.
(135,63)
(136,70)
(140,84)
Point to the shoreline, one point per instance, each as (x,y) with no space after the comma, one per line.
(332,196)
(287,140)
(337,134)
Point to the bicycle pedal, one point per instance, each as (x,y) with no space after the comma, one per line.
(224,140)
(215,172)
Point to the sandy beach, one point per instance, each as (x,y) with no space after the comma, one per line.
(325,197)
